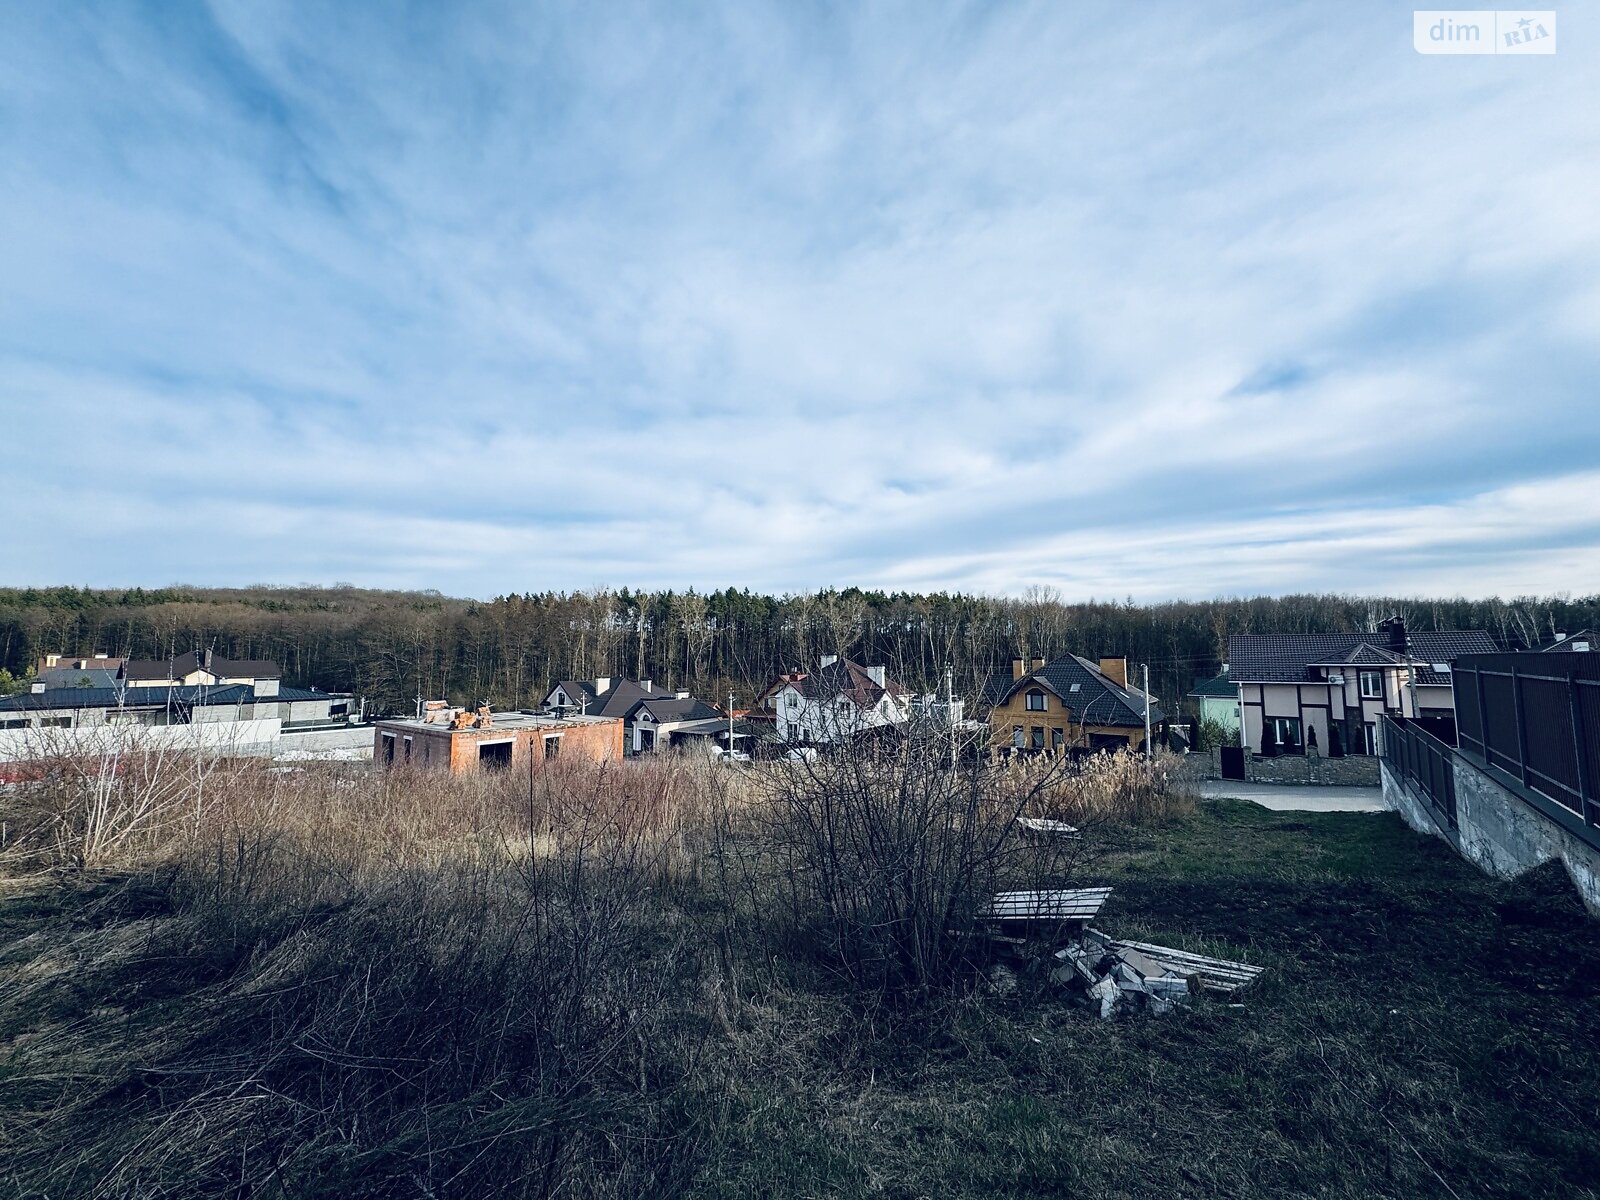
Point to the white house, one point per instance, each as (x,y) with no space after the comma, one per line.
(836,701)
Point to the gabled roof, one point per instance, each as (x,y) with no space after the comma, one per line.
(673,709)
(619,699)
(191,694)
(1289,657)
(1221,688)
(1097,700)
(1566,644)
(199,660)
(1364,655)
(848,679)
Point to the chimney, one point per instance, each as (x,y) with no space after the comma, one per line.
(266,688)
(647,684)
(602,684)
(1038,665)
(1395,627)
(1019,668)
(829,659)
(1115,669)
(680,696)
(876,674)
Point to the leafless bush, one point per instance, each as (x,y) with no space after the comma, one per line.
(880,858)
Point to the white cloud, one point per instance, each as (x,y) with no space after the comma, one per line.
(787,300)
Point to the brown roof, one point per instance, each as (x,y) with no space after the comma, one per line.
(199,660)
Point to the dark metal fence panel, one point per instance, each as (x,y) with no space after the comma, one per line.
(1537,718)
(1423,761)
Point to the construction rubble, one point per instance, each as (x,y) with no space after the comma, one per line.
(1110,976)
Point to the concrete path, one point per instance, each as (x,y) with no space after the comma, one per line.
(1282,797)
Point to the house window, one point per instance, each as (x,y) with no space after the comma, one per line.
(1058,739)
(791,702)
(1016,737)
(407,742)
(1036,737)
(1036,701)
(14,723)
(388,747)
(1369,738)
(1286,731)
(1371,685)
(552,747)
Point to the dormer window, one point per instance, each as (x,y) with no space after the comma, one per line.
(1037,701)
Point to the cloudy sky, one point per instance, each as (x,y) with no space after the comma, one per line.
(1195,299)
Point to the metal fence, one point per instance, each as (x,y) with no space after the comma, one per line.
(1422,759)
(1537,718)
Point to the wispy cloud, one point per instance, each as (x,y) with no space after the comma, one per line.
(1174,302)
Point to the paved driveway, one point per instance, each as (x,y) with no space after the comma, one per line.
(1282,797)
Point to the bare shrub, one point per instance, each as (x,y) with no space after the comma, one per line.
(879,859)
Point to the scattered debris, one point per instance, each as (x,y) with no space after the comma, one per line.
(1111,975)
(1045,827)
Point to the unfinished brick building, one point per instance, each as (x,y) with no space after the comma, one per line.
(462,741)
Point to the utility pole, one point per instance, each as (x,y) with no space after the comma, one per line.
(1146,668)
(730,725)
(950,710)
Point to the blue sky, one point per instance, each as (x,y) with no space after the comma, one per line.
(1169,302)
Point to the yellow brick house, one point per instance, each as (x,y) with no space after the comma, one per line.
(1068,704)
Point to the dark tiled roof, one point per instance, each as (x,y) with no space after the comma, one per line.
(1220,688)
(196,660)
(1364,655)
(673,709)
(842,677)
(194,694)
(1565,644)
(618,700)
(1288,658)
(1098,700)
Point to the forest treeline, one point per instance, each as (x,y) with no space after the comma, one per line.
(392,647)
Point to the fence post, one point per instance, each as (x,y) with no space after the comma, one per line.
(1483,715)
(1580,752)
(1522,732)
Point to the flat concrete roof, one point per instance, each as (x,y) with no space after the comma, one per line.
(506,722)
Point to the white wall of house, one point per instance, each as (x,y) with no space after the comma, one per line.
(828,719)
(256,736)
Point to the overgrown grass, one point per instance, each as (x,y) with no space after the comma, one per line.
(422,987)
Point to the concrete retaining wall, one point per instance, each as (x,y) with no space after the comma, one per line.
(1503,834)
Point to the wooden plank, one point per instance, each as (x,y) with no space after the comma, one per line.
(1045,825)
(1216,974)
(1075,904)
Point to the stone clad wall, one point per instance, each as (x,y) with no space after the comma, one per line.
(1351,771)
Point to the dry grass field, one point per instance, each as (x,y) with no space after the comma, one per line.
(667,978)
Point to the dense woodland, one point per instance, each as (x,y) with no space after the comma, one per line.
(392,647)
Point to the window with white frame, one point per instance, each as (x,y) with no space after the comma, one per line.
(1371,685)
(1037,701)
